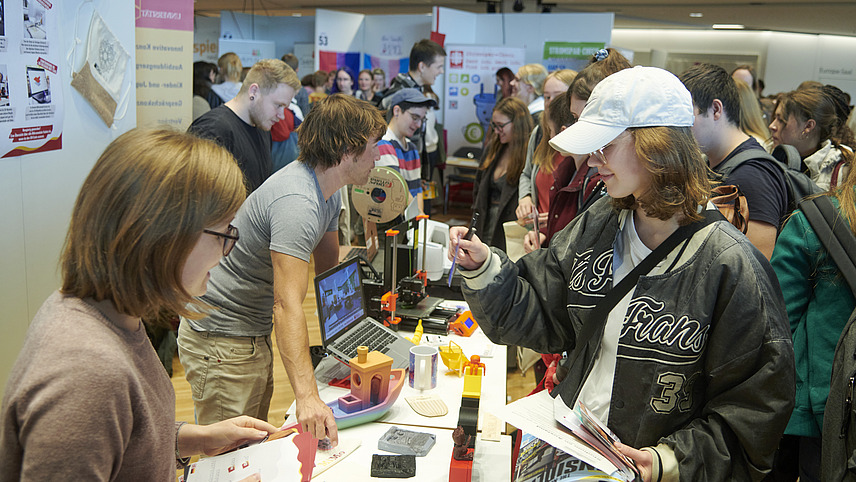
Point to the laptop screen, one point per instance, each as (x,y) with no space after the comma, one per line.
(339,295)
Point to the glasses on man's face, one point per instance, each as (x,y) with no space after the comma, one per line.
(416,118)
(499,127)
(230,237)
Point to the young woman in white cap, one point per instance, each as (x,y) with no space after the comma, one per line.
(674,323)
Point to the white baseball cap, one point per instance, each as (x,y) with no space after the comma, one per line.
(637,97)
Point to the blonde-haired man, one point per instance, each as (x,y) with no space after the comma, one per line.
(242,125)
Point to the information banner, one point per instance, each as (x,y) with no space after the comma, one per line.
(569,55)
(31,104)
(470,80)
(164,38)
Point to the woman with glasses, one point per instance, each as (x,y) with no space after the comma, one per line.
(673,321)
(495,190)
(88,398)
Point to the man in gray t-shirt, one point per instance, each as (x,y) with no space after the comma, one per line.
(260,287)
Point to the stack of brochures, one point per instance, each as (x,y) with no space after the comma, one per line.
(582,445)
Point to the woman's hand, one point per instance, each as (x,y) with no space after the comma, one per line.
(531,243)
(644,460)
(524,208)
(472,254)
(221,436)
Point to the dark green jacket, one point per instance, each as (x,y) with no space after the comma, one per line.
(819,303)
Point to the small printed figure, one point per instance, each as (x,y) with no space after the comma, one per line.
(462,441)
(325,444)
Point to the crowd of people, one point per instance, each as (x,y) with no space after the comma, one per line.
(706,350)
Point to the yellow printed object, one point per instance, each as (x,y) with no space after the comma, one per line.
(453,357)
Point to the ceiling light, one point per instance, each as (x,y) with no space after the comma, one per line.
(696,15)
(728,26)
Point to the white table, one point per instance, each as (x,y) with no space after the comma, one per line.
(492,461)
(449,387)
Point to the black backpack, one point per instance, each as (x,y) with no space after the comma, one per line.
(838,454)
(798,184)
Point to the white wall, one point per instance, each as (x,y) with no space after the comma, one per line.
(37,191)
(283,31)
(784,59)
(397,32)
(531,30)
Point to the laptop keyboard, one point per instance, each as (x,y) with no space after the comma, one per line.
(369,335)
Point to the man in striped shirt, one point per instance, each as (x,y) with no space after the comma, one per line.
(409,108)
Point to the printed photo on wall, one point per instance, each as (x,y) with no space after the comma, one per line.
(4,85)
(34,20)
(2,18)
(38,85)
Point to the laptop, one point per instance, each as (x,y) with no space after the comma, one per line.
(344,324)
(372,243)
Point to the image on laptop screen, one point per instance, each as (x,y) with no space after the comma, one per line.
(340,298)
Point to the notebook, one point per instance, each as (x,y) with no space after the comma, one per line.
(344,324)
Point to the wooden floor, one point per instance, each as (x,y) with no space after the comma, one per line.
(517,385)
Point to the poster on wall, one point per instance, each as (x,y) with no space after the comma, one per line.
(249,51)
(164,46)
(569,55)
(206,39)
(470,83)
(31,103)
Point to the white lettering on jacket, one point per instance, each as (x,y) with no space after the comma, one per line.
(647,324)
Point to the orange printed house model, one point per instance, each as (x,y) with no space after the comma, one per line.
(369,380)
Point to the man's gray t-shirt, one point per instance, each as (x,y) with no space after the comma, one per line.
(286,214)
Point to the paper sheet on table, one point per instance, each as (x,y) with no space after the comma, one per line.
(534,415)
(273,460)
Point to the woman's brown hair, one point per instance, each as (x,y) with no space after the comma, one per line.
(139,214)
(521,127)
(594,72)
(678,171)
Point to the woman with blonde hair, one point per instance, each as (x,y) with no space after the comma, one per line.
(88,398)
(231,71)
(528,86)
(538,151)
(751,119)
(495,191)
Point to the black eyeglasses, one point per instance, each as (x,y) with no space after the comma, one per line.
(499,127)
(230,237)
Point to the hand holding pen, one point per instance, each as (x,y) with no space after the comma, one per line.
(469,251)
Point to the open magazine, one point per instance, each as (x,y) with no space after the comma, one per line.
(539,461)
(576,433)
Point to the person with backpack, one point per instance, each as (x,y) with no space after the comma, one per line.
(674,323)
(716,105)
(814,121)
(819,302)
